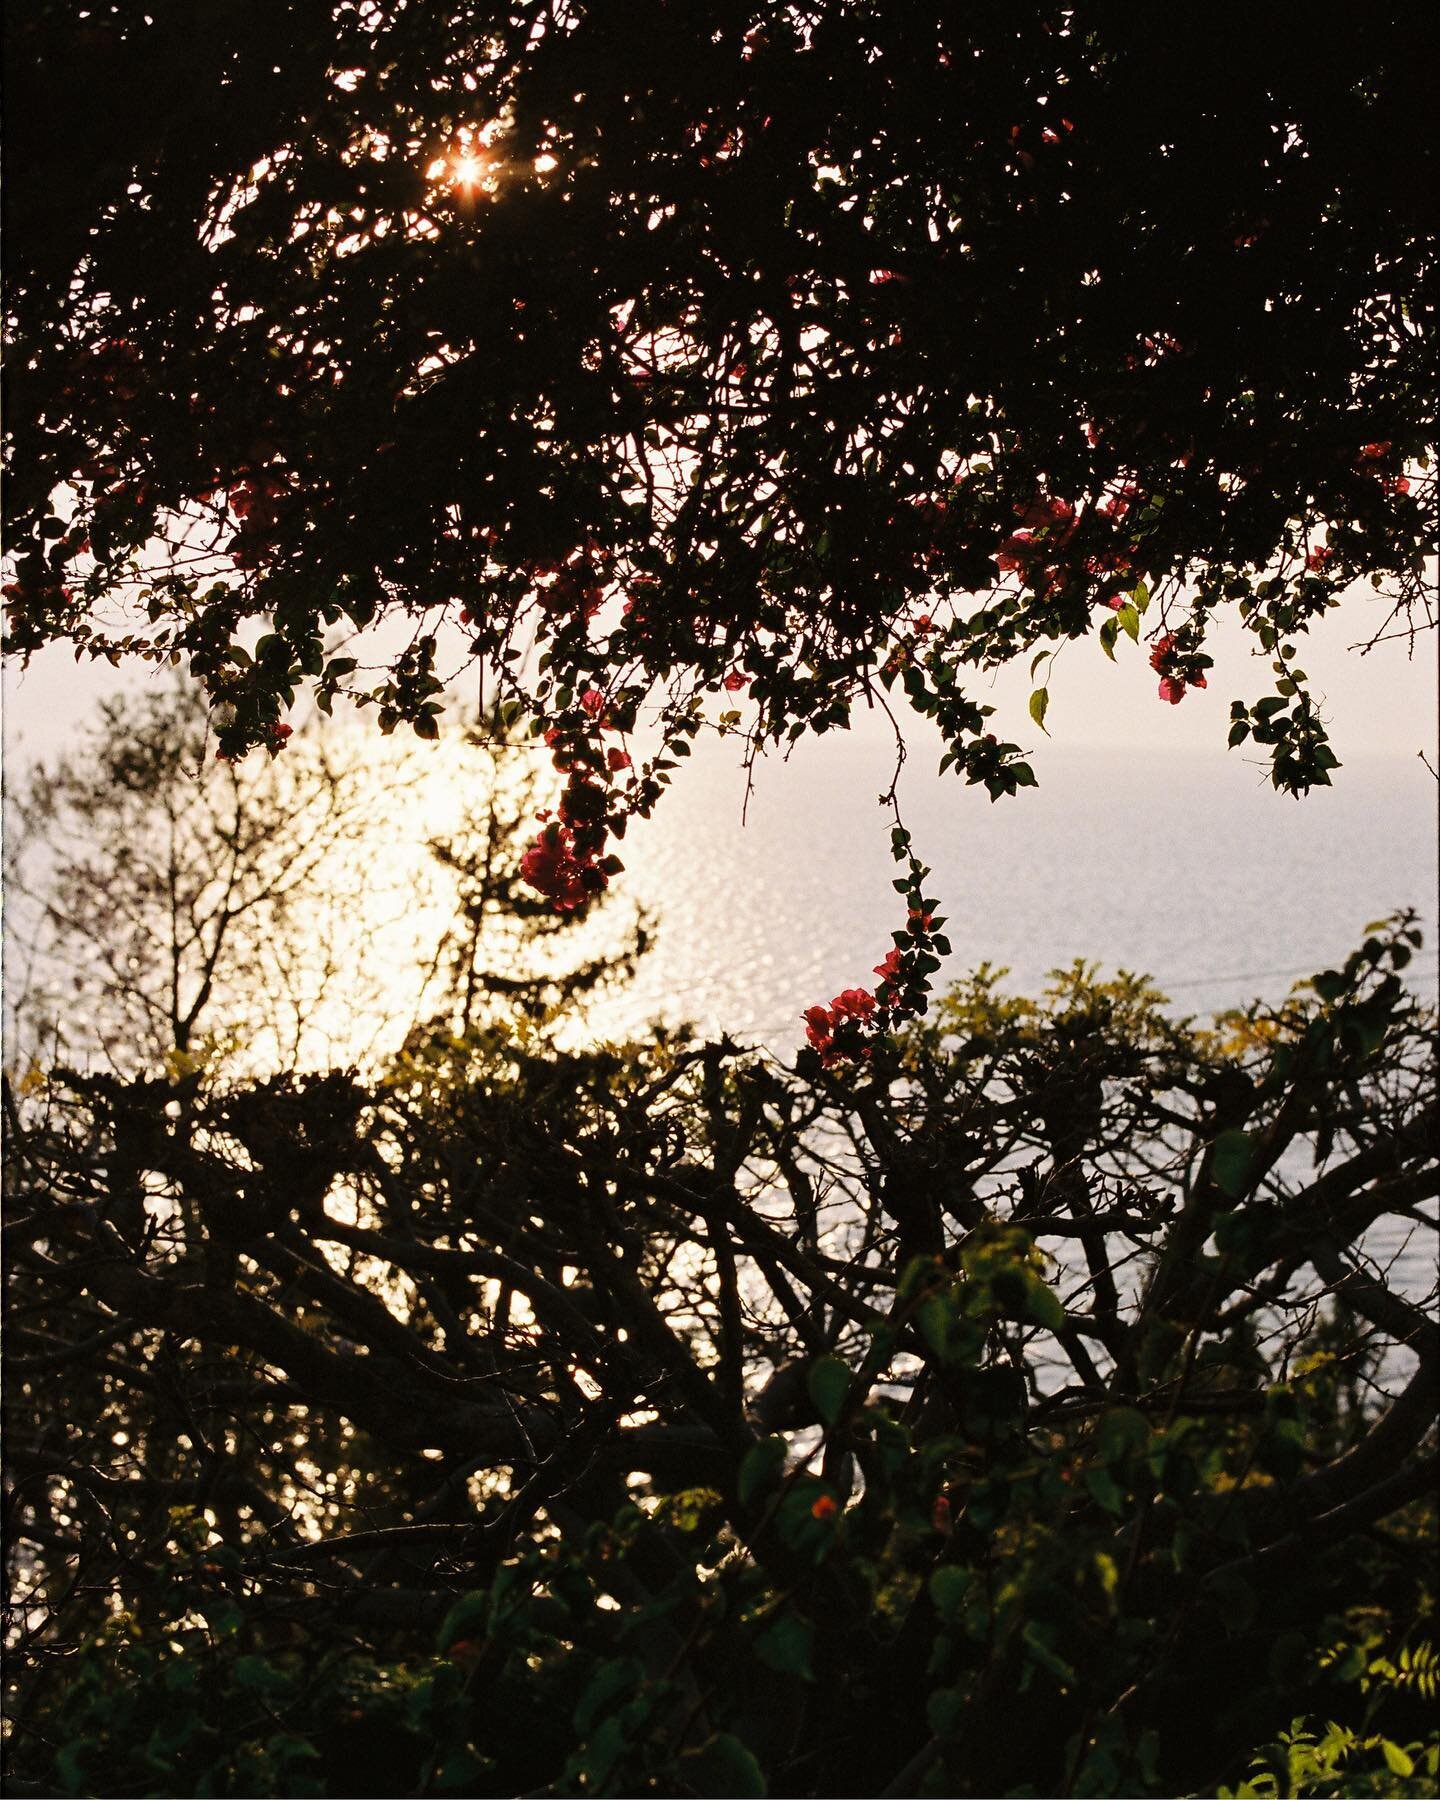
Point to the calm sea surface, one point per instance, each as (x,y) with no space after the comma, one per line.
(1186,866)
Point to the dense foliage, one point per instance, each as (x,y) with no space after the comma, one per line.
(169,910)
(803,352)
(1044,1410)
(1040,1399)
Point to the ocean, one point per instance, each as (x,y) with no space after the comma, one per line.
(1183,865)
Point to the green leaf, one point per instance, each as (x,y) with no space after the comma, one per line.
(1042,1303)
(760,1469)
(465,1619)
(943,1711)
(1234,1597)
(620,1676)
(595,1759)
(461,1771)
(255,1672)
(828,1383)
(1230,1161)
(723,1768)
(1039,705)
(1109,631)
(948,1588)
(1129,622)
(1123,1431)
(1104,1488)
(1396,1760)
(1036,1638)
(222,1616)
(787,1645)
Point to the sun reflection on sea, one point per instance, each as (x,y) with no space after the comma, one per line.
(358,960)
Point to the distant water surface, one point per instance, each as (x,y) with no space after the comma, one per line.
(1185,865)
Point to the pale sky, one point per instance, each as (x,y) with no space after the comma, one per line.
(1384,702)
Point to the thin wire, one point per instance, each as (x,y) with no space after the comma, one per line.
(1266,974)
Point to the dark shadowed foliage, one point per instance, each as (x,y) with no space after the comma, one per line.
(815,353)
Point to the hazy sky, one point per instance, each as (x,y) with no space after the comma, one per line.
(1383,702)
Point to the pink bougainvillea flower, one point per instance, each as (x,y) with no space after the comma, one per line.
(552,867)
(615,760)
(593,701)
(1172,689)
(734,681)
(889,970)
(818,1029)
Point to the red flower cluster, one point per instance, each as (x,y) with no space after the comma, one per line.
(1116,505)
(41,594)
(109,373)
(576,587)
(822,1023)
(889,971)
(642,588)
(1176,669)
(1031,555)
(568,861)
(834,1030)
(257,503)
(1389,483)
(553,867)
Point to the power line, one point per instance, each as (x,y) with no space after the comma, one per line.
(1264,974)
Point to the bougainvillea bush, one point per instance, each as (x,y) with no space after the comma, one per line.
(1039,1399)
(1045,1405)
(715,364)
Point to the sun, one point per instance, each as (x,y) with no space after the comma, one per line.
(469,171)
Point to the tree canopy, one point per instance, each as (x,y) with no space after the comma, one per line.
(669,1422)
(664,1419)
(747,362)
(661,1419)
